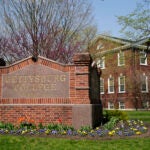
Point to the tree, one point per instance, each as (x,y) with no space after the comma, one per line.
(136,25)
(55,29)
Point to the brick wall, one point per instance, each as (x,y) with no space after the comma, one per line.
(51,107)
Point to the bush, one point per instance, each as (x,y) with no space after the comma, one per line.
(112,123)
(108,114)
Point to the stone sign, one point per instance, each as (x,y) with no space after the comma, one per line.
(47,91)
(35,81)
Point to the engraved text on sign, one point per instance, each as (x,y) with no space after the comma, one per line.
(36,81)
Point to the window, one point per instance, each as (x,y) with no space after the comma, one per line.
(101,63)
(110,105)
(111,85)
(100,46)
(146,104)
(144,83)
(101,85)
(121,60)
(121,84)
(121,105)
(143,58)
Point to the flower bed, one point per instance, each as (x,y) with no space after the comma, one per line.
(120,129)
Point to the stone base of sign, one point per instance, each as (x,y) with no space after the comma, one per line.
(86,115)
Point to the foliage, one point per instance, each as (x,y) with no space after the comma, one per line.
(27,126)
(121,115)
(26,123)
(136,25)
(59,127)
(85,128)
(7,126)
(53,29)
(111,123)
(40,126)
(113,128)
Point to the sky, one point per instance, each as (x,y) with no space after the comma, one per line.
(105,12)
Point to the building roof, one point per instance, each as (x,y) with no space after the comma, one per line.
(140,44)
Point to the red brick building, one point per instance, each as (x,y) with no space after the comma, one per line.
(125,72)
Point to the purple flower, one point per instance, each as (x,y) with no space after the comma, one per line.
(54,132)
(69,132)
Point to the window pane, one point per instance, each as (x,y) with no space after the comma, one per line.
(121,105)
(110,105)
(111,85)
(121,84)
(144,84)
(143,58)
(102,85)
(121,58)
(101,63)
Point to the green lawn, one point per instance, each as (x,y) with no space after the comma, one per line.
(141,115)
(8,142)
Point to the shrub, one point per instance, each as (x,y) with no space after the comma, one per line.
(112,123)
(108,114)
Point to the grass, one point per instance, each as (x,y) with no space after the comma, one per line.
(140,115)
(8,142)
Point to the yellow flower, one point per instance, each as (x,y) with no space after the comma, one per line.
(138,133)
(84,133)
(64,132)
(135,129)
(92,131)
(24,131)
(111,133)
(97,128)
(144,128)
(78,131)
(6,131)
(47,131)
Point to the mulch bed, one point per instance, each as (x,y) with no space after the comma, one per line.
(87,137)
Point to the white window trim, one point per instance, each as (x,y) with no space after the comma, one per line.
(146,81)
(144,53)
(109,104)
(102,60)
(122,105)
(119,59)
(119,84)
(101,86)
(109,85)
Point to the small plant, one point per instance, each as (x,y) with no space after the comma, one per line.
(108,114)
(2,125)
(25,122)
(85,128)
(111,124)
(40,126)
(53,126)
(7,126)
